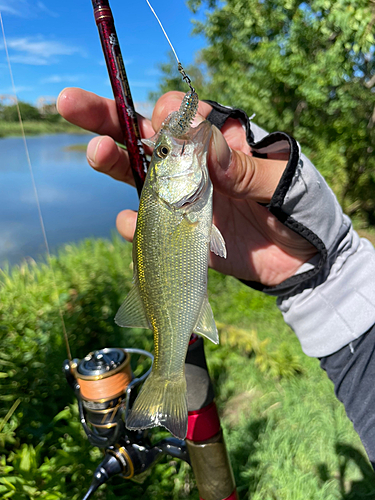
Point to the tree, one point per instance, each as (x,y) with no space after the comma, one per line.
(306,68)
(28,112)
(172,78)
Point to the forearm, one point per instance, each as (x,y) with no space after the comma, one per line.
(330,300)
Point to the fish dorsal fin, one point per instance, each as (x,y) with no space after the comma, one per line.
(132,312)
(217,243)
(206,324)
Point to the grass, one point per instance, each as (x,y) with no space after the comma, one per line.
(8,129)
(76,147)
(287,435)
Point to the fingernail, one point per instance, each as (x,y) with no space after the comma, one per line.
(92,149)
(58,100)
(222,150)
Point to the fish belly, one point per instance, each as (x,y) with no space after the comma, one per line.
(171,259)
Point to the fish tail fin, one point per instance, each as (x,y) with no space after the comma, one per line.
(161,402)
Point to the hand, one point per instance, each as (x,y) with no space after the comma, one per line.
(260,248)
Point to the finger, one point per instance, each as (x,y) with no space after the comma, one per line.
(241,175)
(94,113)
(234,172)
(125,223)
(105,156)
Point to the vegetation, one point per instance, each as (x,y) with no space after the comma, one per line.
(81,148)
(27,111)
(306,68)
(33,121)
(303,67)
(288,436)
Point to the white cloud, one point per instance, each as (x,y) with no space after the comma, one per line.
(19,88)
(30,60)
(45,9)
(62,78)
(38,51)
(10,10)
(25,8)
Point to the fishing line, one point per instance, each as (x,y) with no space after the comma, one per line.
(35,191)
(165,34)
(180,68)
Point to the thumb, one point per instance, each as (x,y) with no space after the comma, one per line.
(241,175)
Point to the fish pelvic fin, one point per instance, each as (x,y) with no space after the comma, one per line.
(132,312)
(161,402)
(217,243)
(206,323)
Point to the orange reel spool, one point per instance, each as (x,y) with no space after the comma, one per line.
(103,377)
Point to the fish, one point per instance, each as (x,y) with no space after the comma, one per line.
(173,239)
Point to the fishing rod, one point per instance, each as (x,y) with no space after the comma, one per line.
(103,382)
(121,91)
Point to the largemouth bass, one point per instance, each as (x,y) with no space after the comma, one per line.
(173,238)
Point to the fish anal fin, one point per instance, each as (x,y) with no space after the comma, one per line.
(161,402)
(206,325)
(217,243)
(132,312)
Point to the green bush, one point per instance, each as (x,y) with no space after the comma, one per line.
(28,112)
(283,425)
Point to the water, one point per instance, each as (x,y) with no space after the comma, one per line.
(76,201)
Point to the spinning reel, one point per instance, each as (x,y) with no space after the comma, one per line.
(105,387)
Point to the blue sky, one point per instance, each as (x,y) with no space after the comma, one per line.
(55,44)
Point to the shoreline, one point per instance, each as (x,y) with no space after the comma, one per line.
(13,129)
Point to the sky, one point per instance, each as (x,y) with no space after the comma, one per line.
(55,44)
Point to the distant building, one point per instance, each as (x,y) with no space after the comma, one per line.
(47,105)
(8,99)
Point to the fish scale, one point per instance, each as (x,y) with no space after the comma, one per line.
(170,253)
(179,268)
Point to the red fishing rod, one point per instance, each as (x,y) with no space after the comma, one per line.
(121,91)
(204,448)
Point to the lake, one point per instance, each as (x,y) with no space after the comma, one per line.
(76,201)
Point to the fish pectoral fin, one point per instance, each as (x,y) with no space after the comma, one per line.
(217,243)
(132,312)
(206,324)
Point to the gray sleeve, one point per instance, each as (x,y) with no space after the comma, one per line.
(330,301)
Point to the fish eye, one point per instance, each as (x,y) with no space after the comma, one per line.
(162,151)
